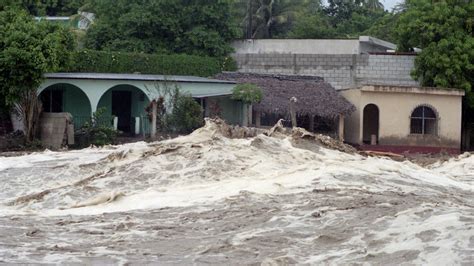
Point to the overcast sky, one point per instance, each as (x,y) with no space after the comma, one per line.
(389,4)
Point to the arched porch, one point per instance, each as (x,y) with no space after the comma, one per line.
(65,97)
(127,103)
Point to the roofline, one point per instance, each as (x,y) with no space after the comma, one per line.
(379,42)
(52,18)
(212,95)
(304,39)
(412,89)
(134,77)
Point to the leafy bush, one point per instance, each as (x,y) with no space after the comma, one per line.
(174,64)
(186,114)
(96,132)
(247,93)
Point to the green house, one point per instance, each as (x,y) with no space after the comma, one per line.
(125,97)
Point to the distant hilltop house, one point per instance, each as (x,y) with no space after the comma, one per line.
(82,21)
(392,111)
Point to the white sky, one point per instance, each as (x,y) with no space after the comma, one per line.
(388,4)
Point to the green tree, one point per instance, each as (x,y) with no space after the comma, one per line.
(444,32)
(249,94)
(270,18)
(342,19)
(373,4)
(48,7)
(384,27)
(160,26)
(28,49)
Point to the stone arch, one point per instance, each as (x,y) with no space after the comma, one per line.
(371,123)
(126,102)
(66,97)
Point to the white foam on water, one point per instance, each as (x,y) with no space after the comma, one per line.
(205,168)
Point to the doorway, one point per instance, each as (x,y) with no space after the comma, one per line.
(122,109)
(370,124)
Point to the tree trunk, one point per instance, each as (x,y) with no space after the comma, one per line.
(29,110)
(250,19)
(258,117)
(249,113)
(311,123)
(153,119)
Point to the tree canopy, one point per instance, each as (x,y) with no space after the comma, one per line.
(309,18)
(28,49)
(49,7)
(444,32)
(160,26)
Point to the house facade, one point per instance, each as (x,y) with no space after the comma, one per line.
(366,71)
(124,97)
(405,119)
(344,63)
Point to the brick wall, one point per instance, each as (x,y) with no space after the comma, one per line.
(342,71)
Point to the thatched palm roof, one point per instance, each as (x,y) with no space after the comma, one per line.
(314,95)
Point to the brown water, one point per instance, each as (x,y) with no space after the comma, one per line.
(207,199)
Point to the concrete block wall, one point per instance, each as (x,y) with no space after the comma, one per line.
(385,70)
(336,69)
(341,70)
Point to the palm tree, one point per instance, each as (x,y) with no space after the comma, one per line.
(269,17)
(373,4)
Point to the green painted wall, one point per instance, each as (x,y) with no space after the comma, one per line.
(231,111)
(98,92)
(75,101)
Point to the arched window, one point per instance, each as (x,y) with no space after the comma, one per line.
(424,121)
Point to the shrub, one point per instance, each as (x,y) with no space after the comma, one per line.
(247,93)
(172,64)
(96,132)
(186,114)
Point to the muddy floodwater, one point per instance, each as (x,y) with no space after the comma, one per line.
(209,199)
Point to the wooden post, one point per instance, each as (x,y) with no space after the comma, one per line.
(293,101)
(341,127)
(311,123)
(250,113)
(258,117)
(468,138)
(153,119)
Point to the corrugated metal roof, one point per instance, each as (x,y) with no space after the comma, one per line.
(139,77)
(199,96)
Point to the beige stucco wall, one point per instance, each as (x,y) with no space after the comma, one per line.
(352,126)
(396,105)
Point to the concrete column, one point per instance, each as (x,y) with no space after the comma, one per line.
(341,127)
(153,119)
